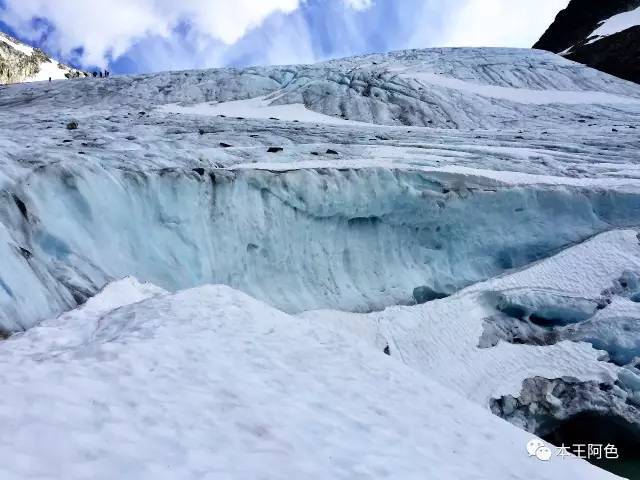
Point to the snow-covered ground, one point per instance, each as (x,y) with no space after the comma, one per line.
(339,194)
(209,383)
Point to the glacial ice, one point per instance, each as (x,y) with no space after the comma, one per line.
(375,192)
(305,239)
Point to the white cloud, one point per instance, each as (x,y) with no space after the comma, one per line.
(359,4)
(499,23)
(109,28)
(215,31)
(105,28)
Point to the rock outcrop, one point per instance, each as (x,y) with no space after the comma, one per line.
(603,35)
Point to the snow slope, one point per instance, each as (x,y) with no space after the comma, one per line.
(615,24)
(21,63)
(209,383)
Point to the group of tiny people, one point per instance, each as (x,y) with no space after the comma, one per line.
(101,74)
(96,73)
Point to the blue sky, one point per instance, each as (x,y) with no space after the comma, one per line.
(130,36)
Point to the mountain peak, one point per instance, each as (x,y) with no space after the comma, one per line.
(603,35)
(20,62)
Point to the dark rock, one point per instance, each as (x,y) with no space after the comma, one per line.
(72,125)
(331,152)
(21,206)
(387,350)
(426,294)
(275,149)
(199,171)
(617,54)
(225,145)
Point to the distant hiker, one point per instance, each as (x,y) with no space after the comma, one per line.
(49,79)
(100,73)
(106,73)
(95,74)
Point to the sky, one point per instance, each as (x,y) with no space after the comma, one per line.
(133,36)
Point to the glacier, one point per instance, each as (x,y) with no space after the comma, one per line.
(473,213)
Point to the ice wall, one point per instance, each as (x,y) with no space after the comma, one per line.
(353,239)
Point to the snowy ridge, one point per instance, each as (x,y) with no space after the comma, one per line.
(22,63)
(615,24)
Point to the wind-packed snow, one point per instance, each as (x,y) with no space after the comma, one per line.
(260,108)
(520,95)
(615,24)
(209,383)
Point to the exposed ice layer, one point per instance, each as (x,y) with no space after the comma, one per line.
(22,63)
(615,328)
(441,337)
(209,383)
(353,239)
(546,308)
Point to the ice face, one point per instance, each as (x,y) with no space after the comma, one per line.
(356,239)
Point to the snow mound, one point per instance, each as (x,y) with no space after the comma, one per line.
(209,383)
